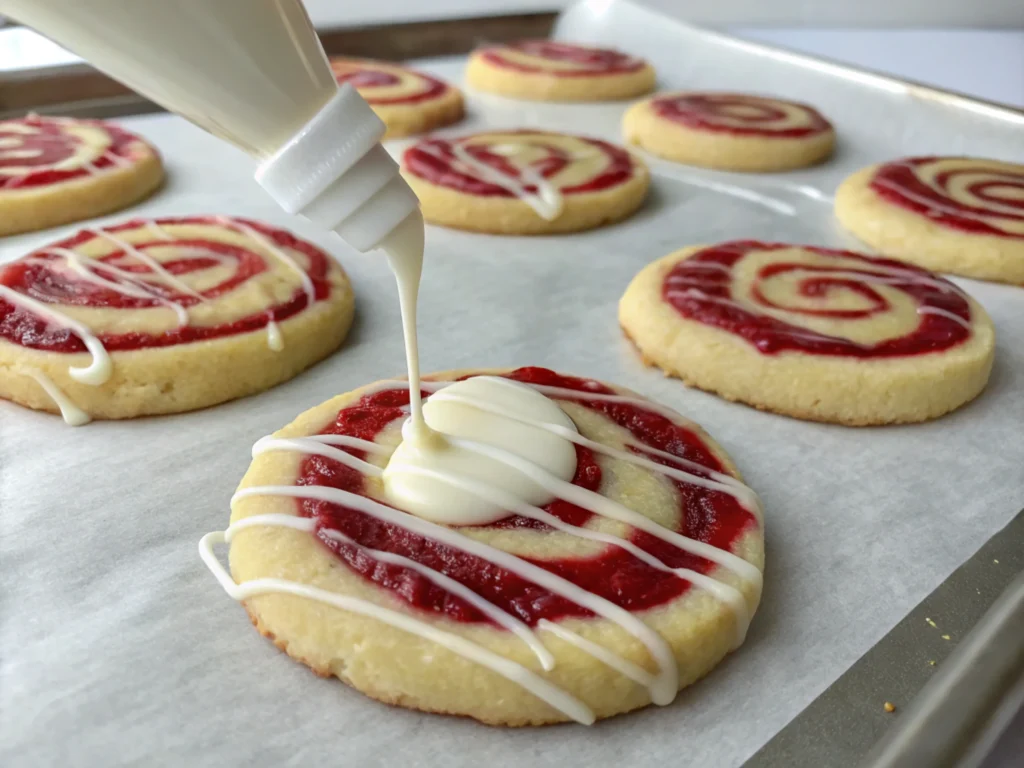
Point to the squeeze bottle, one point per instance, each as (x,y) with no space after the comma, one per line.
(252,72)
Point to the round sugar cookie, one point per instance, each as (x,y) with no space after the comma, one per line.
(950,214)
(408,101)
(524,182)
(549,70)
(815,333)
(729,131)
(166,315)
(55,170)
(569,611)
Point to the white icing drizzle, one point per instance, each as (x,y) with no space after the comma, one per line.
(274,339)
(922,310)
(155,266)
(623,666)
(489,609)
(717,481)
(601,505)
(894,276)
(316,448)
(277,253)
(547,201)
(99,370)
(160,232)
(666,684)
(73,415)
(939,207)
(530,681)
(127,283)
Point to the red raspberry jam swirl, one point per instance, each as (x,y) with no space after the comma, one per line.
(989,197)
(55,145)
(364,77)
(432,160)
(719,112)
(33,276)
(592,61)
(700,289)
(709,516)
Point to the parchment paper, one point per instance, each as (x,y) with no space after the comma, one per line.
(118,648)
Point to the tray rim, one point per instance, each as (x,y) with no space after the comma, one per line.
(124,100)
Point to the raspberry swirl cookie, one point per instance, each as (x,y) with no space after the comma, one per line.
(54,170)
(815,333)
(729,131)
(408,101)
(547,70)
(166,315)
(951,214)
(524,182)
(620,571)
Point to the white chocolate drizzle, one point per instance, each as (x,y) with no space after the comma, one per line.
(663,685)
(277,253)
(71,413)
(99,370)
(547,201)
(534,683)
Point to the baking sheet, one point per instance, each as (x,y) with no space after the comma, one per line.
(119,648)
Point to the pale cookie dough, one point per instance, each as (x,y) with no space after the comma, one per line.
(729,131)
(408,101)
(166,315)
(451,619)
(814,333)
(949,214)
(524,182)
(55,170)
(549,70)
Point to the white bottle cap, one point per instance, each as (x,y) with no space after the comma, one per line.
(334,172)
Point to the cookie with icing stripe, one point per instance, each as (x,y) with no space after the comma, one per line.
(55,170)
(523,182)
(729,131)
(166,315)
(815,333)
(550,70)
(631,574)
(407,100)
(951,214)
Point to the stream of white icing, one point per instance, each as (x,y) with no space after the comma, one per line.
(132,285)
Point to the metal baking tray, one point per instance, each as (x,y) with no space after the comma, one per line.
(119,648)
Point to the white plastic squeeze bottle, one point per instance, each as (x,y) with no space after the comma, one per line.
(252,72)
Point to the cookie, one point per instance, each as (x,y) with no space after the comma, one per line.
(55,170)
(815,333)
(549,70)
(949,214)
(574,610)
(729,131)
(408,101)
(524,182)
(166,315)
